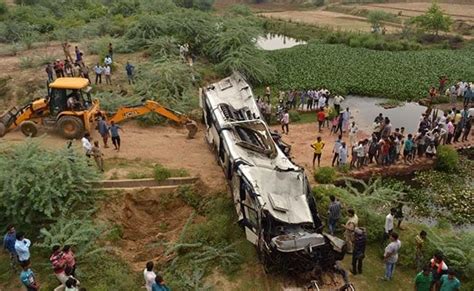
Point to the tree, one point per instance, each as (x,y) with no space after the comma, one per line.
(376,17)
(434,20)
(38,183)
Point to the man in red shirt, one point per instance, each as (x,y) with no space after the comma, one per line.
(321,117)
(58,263)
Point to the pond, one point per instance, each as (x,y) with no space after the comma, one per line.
(271,42)
(365,109)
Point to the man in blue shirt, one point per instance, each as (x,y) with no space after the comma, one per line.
(9,245)
(449,282)
(114,130)
(159,284)
(130,73)
(22,247)
(27,277)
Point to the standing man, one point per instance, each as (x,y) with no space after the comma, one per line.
(98,70)
(49,71)
(353,134)
(317,146)
(130,69)
(335,150)
(67,53)
(114,130)
(58,263)
(420,242)
(98,156)
(321,118)
(449,282)
(334,213)
(108,74)
(342,156)
(86,144)
(423,280)
(346,115)
(103,130)
(69,259)
(349,227)
(22,248)
(388,228)
(391,255)
(285,121)
(149,276)
(442,83)
(358,255)
(337,103)
(9,241)
(27,277)
(111,50)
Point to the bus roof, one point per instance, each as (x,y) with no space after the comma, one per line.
(69,83)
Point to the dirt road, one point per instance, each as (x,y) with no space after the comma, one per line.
(159,144)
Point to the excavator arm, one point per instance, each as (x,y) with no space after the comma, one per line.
(127,112)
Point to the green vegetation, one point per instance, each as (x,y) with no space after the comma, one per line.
(434,20)
(325,175)
(345,70)
(214,244)
(38,184)
(447,159)
(445,195)
(376,17)
(373,200)
(161,173)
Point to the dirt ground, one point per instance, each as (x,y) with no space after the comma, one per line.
(166,145)
(456,11)
(148,228)
(326,19)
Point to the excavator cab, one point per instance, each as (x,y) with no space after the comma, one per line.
(72,95)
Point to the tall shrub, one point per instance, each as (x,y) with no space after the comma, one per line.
(447,159)
(38,183)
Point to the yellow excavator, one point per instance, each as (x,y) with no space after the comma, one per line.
(70,109)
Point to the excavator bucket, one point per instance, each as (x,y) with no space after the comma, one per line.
(192,128)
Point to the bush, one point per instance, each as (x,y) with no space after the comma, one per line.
(161,173)
(240,9)
(294,116)
(325,175)
(38,184)
(447,159)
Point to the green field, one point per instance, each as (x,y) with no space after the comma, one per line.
(404,75)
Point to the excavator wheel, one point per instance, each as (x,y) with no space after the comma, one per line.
(3,129)
(70,127)
(192,128)
(29,128)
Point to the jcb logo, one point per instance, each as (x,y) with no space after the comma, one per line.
(130,114)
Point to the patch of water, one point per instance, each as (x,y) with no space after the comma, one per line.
(271,42)
(365,109)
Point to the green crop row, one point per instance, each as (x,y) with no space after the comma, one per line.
(405,75)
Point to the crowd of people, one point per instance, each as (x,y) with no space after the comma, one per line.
(62,259)
(387,144)
(77,67)
(433,274)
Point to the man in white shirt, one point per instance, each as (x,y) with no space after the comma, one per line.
(149,275)
(108,61)
(108,73)
(322,101)
(22,247)
(86,144)
(388,228)
(337,103)
(353,134)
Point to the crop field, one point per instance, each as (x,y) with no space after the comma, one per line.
(398,75)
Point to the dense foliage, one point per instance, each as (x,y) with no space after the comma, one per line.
(447,159)
(434,20)
(345,70)
(37,183)
(325,175)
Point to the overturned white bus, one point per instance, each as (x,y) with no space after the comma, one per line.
(271,194)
